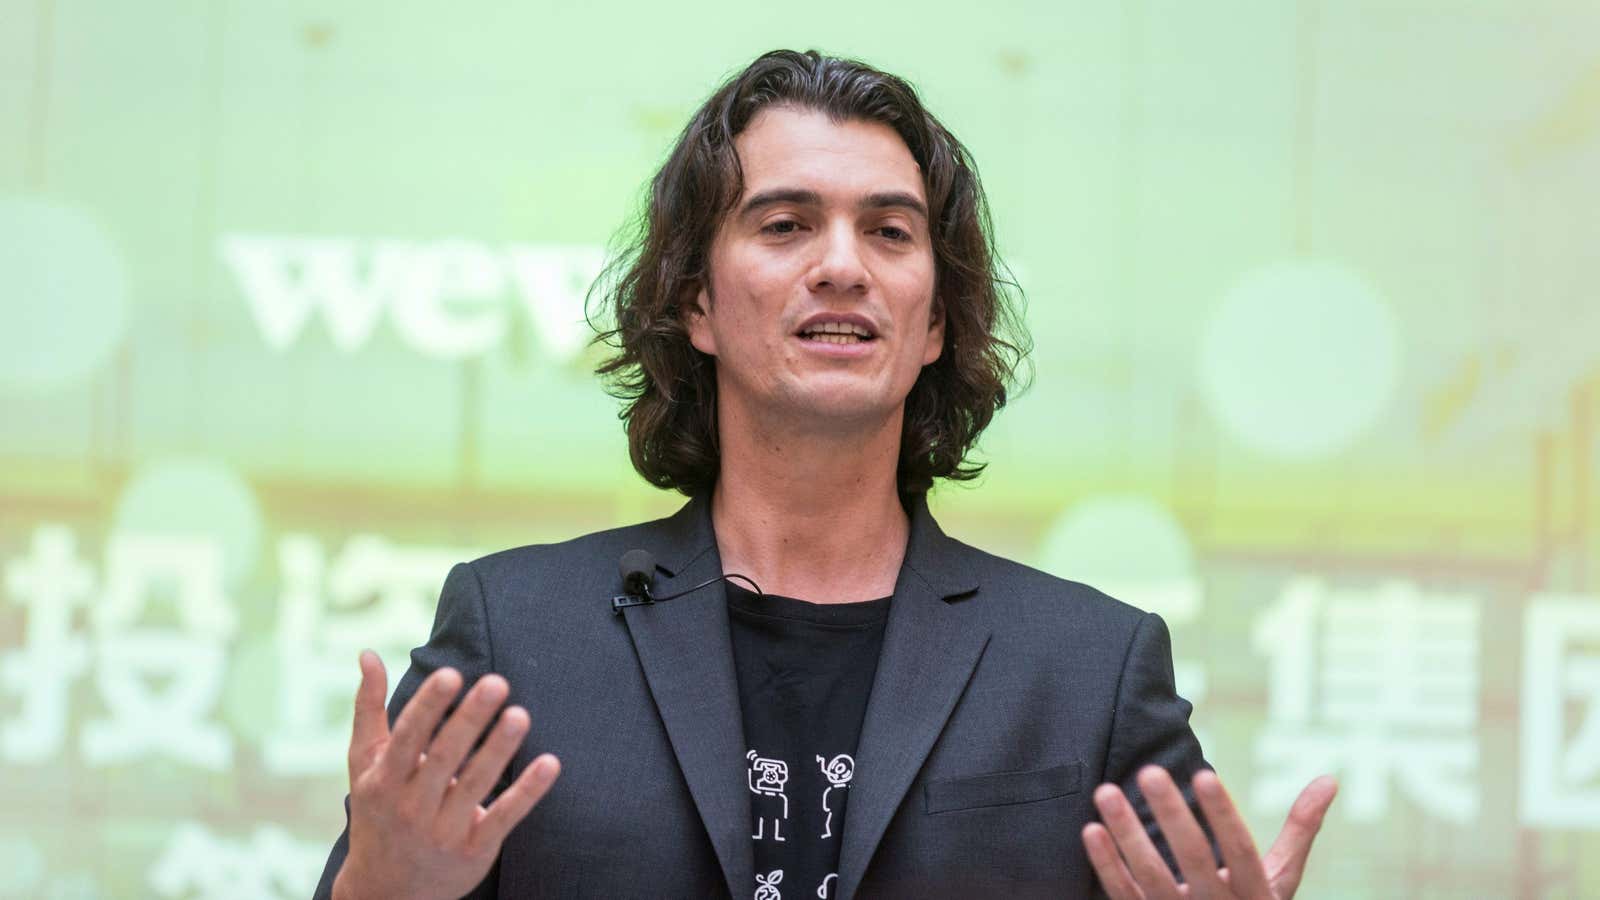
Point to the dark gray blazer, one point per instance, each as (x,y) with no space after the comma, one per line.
(1002,697)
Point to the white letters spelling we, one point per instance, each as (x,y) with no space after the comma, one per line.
(445,298)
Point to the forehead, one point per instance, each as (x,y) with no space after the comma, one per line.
(803,148)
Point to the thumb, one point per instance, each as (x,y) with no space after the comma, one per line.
(1286,861)
(371,728)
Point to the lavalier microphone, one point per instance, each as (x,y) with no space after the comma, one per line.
(638,570)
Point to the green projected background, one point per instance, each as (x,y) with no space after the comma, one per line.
(291,320)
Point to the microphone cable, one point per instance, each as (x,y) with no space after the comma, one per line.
(638,571)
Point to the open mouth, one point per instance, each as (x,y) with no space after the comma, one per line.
(837,333)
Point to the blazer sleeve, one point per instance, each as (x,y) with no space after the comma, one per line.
(1150,724)
(460,639)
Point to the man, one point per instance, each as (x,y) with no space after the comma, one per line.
(808,333)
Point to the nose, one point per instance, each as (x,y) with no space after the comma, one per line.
(839,268)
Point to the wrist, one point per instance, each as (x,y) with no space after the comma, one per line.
(350,884)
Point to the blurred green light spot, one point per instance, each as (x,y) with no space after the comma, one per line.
(1300,359)
(64,303)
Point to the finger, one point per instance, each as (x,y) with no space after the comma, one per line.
(1246,875)
(1149,869)
(1108,865)
(461,801)
(1287,858)
(1184,835)
(515,802)
(416,723)
(451,745)
(371,727)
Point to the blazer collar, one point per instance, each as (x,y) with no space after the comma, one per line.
(686,651)
(931,646)
(941,561)
(932,643)
(687,534)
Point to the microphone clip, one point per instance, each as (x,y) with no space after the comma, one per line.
(623,601)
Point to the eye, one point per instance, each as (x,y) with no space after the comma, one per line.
(894,233)
(782,226)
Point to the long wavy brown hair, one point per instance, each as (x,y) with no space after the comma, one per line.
(669,388)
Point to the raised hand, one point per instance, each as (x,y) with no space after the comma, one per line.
(418,828)
(1138,872)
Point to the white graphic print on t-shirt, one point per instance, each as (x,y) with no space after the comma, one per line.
(767,888)
(767,778)
(822,889)
(838,771)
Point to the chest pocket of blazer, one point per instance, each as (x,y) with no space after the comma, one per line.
(1002,788)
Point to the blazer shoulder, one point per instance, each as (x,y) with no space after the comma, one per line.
(577,557)
(1020,591)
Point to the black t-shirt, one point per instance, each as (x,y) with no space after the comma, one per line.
(805,670)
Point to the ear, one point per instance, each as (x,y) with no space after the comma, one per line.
(695,319)
(935,345)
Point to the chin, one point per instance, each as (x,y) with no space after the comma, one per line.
(846,408)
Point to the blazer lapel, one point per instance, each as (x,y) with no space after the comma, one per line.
(930,648)
(686,652)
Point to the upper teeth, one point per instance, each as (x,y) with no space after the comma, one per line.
(838,328)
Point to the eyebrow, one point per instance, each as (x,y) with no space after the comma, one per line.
(800,197)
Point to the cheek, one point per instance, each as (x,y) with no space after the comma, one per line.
(751,305)
(925,333)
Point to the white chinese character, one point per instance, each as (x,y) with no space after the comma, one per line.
(49,583)
(133,656)
(376,594)
(271,865)
(1561,666)
(1374,685)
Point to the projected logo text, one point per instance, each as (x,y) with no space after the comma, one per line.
(449,299)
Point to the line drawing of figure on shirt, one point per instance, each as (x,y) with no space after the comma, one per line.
(822,889)
(767,887)
(767,778)
(838,771)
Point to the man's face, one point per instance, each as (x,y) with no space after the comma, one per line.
(820,308)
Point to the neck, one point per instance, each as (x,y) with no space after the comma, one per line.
(809,513)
